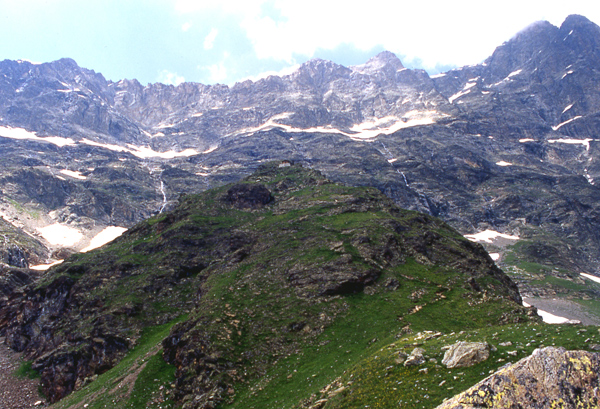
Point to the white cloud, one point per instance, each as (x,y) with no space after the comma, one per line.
(186,26)
(436,32)
(283,72)
(209,40)
(170,78)
(218,72)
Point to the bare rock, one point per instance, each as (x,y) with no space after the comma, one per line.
(550,377)
(243,195)
(464,354)
(415,358)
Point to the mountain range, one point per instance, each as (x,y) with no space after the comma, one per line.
(505,152)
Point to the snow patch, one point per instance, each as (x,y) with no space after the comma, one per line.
(107,235)
(524,140)
(502,163)
(363,131)
(142,152)
(20,133)
(495,256)
(566,73)
(73,174)
(44,267)
(488,236)
(557,127)
(590,277)
(512,74)
(567,108)
(588,177)
(60,235)
(438,75)
(550,318)
(584,142)
(458,95)
(508,78)
(211,149)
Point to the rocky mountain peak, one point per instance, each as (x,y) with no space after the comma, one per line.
(318,72)
(385,60)
(582,36)
(576,21)
(521,49)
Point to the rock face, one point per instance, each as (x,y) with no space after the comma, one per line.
(508,145)
(550,377)
(466,354)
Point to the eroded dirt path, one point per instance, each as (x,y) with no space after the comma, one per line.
(16,393)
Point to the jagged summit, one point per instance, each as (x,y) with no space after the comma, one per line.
(385,60)
(575,21)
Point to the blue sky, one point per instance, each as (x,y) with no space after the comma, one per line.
(212,41)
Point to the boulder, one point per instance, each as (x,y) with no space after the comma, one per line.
(464,354)
(551,377)
(415,358)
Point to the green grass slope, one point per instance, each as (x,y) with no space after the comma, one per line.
(262,293)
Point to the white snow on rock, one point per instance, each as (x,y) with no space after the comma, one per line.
(524,140)
(584,142)
(550,318)
(211,149)
(557,127)
(502,163)
(508,78)
(73,174)
(458,95)
(141,151)
(567,108)
(488,236)
(367,130)
(44,267)
(512,74)
(60,235)
(566,73)
(588,177)
(20,133)
(107,235)
(590,277)
(495,256)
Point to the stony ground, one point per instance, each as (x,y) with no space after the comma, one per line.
(16,393)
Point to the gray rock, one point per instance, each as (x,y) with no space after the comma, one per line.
(550,377)
(415,358)
(464,354)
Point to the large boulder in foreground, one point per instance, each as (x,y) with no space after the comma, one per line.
(551,377)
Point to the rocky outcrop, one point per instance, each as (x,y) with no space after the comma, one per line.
(248,196)
(550,377)
(464,354)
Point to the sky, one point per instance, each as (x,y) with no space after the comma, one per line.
(227,41)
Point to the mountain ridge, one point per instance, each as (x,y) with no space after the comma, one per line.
(455,145)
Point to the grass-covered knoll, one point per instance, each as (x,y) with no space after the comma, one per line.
(281,272)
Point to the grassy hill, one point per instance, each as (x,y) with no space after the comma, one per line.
(261,294)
